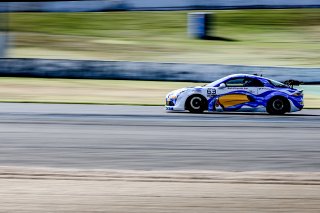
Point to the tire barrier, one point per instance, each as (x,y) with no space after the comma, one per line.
(125,70)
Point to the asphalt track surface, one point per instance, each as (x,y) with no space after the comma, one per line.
(147,138)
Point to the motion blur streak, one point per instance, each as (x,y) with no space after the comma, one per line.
(146,138)
(140,159)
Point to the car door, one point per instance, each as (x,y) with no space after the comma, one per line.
(236,91)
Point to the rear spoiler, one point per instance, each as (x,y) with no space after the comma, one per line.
(292,83)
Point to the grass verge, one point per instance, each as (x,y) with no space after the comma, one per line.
(115,92)
(288,37)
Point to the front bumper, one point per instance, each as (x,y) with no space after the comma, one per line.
(174,105)
(170,103)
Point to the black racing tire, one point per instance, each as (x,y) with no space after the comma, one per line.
(196,104)
(278,106)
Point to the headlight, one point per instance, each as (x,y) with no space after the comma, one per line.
(176,93)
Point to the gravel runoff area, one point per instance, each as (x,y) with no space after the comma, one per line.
(48,190)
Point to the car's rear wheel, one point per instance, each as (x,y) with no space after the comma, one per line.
(196,104)
(278,106)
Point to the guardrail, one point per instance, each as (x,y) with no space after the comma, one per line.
(109,5)
(125,70)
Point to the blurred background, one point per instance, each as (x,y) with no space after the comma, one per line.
(82,122)
(263,34)
(246,34)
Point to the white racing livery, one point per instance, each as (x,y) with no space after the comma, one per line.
(239,92)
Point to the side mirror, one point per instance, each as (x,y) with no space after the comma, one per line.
(222,86)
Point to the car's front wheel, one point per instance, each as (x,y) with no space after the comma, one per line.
(278,106)
(196,104)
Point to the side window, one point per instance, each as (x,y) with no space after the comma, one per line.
(251,82)
(236,82)
(277,84)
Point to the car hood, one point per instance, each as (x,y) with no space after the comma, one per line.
(179,91)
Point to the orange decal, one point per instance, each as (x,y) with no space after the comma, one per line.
(233,99)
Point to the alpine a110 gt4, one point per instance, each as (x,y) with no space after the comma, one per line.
(239,92)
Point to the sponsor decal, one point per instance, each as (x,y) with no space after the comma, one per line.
(237,88)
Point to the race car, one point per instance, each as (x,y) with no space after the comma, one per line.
(239,92)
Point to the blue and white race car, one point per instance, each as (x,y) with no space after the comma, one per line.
(239,92)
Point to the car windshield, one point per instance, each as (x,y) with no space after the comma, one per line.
(277,83)
(217,82)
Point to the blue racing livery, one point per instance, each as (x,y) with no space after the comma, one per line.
(240,92)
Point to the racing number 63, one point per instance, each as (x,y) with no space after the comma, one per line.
(211,91)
